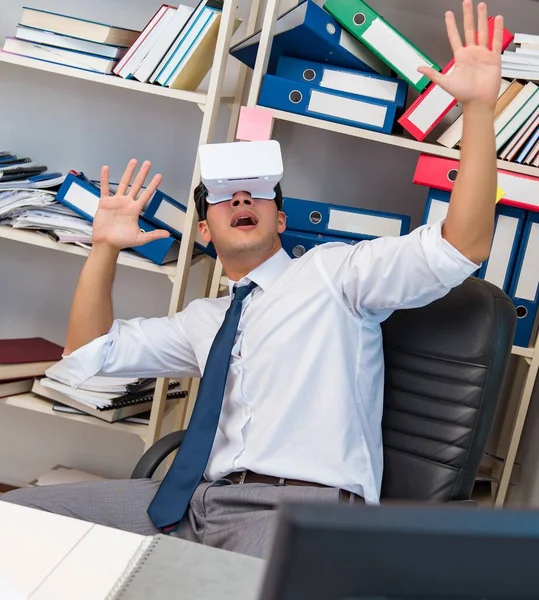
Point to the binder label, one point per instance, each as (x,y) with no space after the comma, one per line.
(500,254)
(395,50)
(529,273)
(437,211)
(347,108)
(82,199)
(359,84)
(175,218)
(341,220)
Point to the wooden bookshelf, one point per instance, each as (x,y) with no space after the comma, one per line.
(35,403)
(36,238)
(399,141)
(133,85)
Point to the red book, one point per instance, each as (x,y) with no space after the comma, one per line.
(519,190)
(434,103)
(27,357)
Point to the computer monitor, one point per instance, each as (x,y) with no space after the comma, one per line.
(351,552)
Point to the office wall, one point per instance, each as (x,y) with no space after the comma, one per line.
(71,124)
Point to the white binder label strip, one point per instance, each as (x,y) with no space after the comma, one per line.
(347,108)
(395,49)
(529,273)
(431,107)
(359,84)
(175,218)
(351,222)
(500,254)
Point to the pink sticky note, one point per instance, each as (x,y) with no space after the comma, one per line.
(254,124)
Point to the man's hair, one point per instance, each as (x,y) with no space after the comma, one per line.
(201,203)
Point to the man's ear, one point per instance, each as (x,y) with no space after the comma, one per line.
(281,221)
(204,231)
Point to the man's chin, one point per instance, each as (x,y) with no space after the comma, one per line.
(246,247)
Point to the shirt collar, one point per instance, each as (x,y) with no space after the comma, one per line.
(267,273)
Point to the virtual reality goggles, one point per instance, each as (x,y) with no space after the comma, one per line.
(253,167)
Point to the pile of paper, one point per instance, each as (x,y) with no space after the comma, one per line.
(38,210)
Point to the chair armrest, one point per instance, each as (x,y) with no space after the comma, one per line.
(154,456)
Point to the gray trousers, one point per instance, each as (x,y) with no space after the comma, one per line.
(236,517)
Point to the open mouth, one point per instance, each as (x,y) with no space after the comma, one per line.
(244,221)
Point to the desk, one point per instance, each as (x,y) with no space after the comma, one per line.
(44,556)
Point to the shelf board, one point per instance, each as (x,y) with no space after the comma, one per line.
(36,238)
(22,61)
(32,402)
(520,351)
(393,140)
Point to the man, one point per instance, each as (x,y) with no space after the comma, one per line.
(302,391)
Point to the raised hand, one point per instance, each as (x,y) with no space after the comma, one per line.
(116,221)
(476,77)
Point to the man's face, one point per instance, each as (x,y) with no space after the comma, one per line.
(243,224)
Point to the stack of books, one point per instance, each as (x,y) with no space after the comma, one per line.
(522,63)
(69,41)
(176,48)
(516,123)
(107,398)
(24,172)
(23,359)
(341,62)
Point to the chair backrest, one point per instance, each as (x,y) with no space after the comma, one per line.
(444,364)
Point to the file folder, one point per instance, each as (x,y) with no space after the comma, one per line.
(82,197)
(436,206)
(371,29)
(350,81)
(343,221)
(298,243)
(167,213)
(508,228)
(434,103)
(520,190)
(524,286)
(338,107)
(308,31)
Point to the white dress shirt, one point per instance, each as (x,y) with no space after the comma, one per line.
(304,394)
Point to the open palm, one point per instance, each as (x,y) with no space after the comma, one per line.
(116,220)
(476,75)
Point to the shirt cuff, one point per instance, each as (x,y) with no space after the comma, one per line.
(88,360)
(449,265)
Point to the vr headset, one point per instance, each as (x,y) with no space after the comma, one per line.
(253,167)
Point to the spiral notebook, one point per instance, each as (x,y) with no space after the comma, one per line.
(167,568)
(121,408)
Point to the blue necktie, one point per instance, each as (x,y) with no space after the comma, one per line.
(187,470)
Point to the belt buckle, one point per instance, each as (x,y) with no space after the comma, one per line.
(242,477)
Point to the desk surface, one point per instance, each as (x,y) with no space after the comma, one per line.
(44,556)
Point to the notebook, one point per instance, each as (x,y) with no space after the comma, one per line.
(166,568)
(27,357)
(117,410)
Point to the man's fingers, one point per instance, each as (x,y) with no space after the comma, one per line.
(105,192)
(452,31)
(126,177)
(140,178)
(150,189)
(482,25)
(151,236)
(497,41)
(469,26)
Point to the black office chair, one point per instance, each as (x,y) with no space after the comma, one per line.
(445,364)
